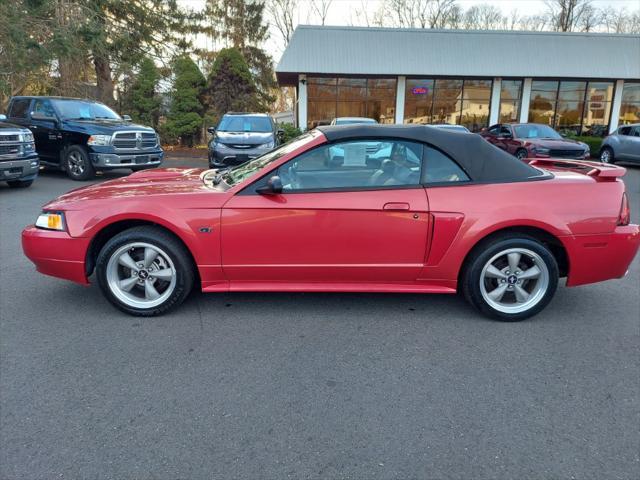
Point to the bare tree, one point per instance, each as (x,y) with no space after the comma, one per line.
(422,13)
(321,9)
(620,21)
(483,17)
(283,16)
(568,15)
(367,16)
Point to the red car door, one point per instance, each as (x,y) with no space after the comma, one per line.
(348,212)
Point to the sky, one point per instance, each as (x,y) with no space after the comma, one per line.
(343,12)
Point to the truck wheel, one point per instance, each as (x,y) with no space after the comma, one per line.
(20,183)
(145,271)
(510,277)
(77,163)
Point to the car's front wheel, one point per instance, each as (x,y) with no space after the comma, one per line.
(145,271)
(521,154)
(510,278)
(606,155)
(77,163)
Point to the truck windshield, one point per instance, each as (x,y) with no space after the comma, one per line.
(238,123)
(84,110)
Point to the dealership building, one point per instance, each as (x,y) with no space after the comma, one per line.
(580,83)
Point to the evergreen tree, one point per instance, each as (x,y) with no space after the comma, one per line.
(231,86)
(241,24)
(185,115)
(145,102)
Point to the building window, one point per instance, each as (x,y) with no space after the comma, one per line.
(630,107)
(333,97)
(510,95)
(572,107)
(452,101)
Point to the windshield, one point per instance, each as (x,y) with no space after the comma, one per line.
(237,123)
(84,110)
(235,175)
(535,131)
(352,121)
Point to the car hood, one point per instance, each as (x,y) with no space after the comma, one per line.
(165,183)
(10,126)
(244,138)
(103,127)
(555,144)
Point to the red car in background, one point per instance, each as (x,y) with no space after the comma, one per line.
(347,209)
(534,140)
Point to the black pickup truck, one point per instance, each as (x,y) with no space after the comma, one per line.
(19,163)
(82,136)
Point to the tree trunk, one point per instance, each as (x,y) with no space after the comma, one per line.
(104,81)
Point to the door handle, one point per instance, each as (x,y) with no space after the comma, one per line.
(396,206)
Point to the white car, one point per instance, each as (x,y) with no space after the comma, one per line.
(352,120)
(622,145)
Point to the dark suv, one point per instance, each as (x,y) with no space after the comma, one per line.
(18,158)
(240,137)
(82,136)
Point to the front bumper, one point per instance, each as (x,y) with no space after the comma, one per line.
(20,169)
(105,161)
(224,156)
(56,253)
(595,258)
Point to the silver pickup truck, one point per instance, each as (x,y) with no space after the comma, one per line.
(19,163)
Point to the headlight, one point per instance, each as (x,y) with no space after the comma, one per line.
(270,144)
(27,137)
(51,221)
(100,140)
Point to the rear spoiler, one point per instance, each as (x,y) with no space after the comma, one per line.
(593,169)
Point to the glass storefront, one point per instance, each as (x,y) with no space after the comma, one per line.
(331,97)
(453,101)
(572,107)
(630,108)
(510,95)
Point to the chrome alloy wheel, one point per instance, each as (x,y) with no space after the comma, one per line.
(76,163)
(605,156)
(514,280)
(141,275)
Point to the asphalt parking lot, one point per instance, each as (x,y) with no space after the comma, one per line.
(356,386)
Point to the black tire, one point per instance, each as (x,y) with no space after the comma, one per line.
(521,154)
(606,155)
(20,183)
(156,236)
(77,164)
(470,278)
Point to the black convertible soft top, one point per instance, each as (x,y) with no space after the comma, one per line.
(482,161)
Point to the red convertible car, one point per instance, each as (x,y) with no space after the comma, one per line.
(347,209)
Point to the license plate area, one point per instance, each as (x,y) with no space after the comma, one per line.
(142,159)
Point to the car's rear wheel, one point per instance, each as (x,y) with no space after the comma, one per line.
(77,163)
(20,183)
(510,278)
(145,271)
(521,154)
(606,155)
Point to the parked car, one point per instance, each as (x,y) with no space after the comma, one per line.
(313,216)
(534,140)
(352,120)
(453,128)
(81,136)
(240,137)
(19,162)
(622,145)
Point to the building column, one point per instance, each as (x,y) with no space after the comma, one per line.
(615,107)
(400,88)
(494,109)
(525,100)
(302,102)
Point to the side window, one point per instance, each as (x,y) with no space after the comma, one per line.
(44,107)
(624,130)
(438,168)
(494,130)
(636,132)
(504,130)
(354,164)
(20,108)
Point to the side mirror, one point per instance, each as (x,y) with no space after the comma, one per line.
(2,117)
(42,117)
(273,186)
(280,135)
(126,118)
(211,130)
